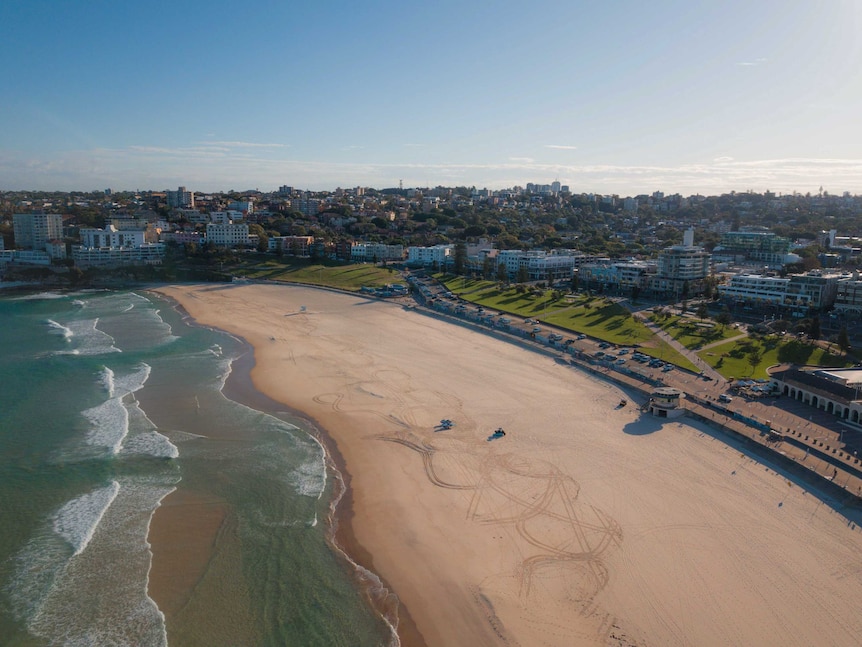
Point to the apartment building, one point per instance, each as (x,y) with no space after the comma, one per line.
(181,198)
(814,290)
(762,247)
(229,235)
(374,252)
(111,236)
(34,230)
(848,297)
(428,256)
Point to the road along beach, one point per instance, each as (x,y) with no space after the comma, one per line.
(586,524)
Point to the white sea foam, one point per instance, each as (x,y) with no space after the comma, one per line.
(59,329)
(144,438)
(41,296)
(134,381)
(109,421)
(89,340)
(98,595)
(76,521)
(128,307)
(109,424)
(79,303)
(107,378)
(150,443)
(309,479)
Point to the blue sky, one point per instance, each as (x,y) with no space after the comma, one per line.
(612,97)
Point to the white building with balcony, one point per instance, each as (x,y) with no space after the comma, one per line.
(428,256)
(229,235)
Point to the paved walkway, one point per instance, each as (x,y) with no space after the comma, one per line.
(690,355)
(723,341)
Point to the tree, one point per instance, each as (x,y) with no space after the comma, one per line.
(843,339)
(487,268)
(702,311)
(814,332)
(502,274)
(523,274)
(460,258)
(723,318)
(754,357)
(636,290)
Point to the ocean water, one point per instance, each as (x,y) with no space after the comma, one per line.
(109,402)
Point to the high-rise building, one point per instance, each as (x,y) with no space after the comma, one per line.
(181,198)
(682,268)
(35,230)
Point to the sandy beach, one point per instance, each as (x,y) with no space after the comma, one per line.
(587,524)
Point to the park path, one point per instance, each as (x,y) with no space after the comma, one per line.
(724,341)
(690,355)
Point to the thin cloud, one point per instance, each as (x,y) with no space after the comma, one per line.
(237,144)
(754,63)
(722,159)
(523,160)
(562,147)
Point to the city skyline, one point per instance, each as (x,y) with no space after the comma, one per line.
(624,99)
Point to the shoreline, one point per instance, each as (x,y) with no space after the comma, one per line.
(484,531)
(239,387)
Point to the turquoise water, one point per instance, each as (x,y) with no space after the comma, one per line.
(109,403)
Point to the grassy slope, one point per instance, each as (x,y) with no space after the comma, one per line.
(344,277)
(593,316)
(775,351)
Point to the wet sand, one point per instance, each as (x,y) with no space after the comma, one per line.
(585,525)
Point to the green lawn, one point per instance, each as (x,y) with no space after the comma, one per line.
(593,316)
(731,359)
(344,277)
(694,333)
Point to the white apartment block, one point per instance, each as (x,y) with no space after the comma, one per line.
(146,254)
(111,237)
(429,255)
(553,267)
(755,287)
(375,252)
(24,257)
(228,235)
(540,265)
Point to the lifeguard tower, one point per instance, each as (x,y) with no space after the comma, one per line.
(665,402)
